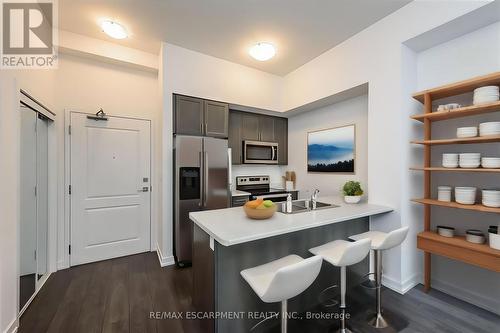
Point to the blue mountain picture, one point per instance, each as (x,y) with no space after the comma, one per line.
(331,150)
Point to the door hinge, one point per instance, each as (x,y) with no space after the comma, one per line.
(151,188)
(69,129)
(35,254)
(69,191)
(36,191)
(69,248)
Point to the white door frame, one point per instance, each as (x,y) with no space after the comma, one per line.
(64,236)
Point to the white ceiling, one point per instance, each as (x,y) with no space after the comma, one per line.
(300,29)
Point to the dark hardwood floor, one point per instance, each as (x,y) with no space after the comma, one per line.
(118,295)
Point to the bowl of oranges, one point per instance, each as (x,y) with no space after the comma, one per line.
(260,209)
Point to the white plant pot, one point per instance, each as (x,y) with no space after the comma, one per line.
(352,199)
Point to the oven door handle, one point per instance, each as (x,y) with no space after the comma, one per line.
(271,196)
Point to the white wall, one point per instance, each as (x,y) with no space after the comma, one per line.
(474,54)
(9,201)
(351,111)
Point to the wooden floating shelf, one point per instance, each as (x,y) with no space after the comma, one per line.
(478,139)
(456,169)
(460,112)
(459,249)
(460,87)
(476,207)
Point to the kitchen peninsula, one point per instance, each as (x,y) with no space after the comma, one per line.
(226,242)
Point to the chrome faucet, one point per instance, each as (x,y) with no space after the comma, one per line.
(314,198)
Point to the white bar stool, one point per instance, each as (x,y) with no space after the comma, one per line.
(342,253)
(381,241)
(282,279)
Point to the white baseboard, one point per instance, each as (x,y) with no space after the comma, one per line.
(13,326)
(164,260)
(401,287)
(487,303)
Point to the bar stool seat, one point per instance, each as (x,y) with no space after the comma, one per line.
(342,253)
(382,240)
(282,279)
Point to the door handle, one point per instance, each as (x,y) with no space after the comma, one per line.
(144,189)
(273,156)
(205,187)
(202,182)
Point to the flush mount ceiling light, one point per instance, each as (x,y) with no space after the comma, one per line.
(262,51)
(114,29)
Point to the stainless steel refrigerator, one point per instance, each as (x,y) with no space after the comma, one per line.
(201,182)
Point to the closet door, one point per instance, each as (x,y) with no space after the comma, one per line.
(42,195)
(28,231)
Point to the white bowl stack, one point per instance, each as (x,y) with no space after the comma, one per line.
(450,160)
(489,128)
(444,193)
(491,198)
(466,132)
(486,94)
(490,162)
(470,160)
(465,195)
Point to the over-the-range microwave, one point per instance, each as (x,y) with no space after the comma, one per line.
(257,152)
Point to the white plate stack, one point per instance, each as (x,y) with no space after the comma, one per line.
(491,198)
(489,128)
(486,94)
(444,193)
(466,132)
(470,160)
(490,162)
(465,195)
(450,160)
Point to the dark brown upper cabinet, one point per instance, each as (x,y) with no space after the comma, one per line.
(216,119)
(266,129)
(250,126)
(281,137)
(188,115)
(235,141)
(196,116)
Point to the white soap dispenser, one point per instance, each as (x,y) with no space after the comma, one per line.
(289,203)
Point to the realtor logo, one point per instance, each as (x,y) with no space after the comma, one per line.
(28,34)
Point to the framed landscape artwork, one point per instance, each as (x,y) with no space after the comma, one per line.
(332,150)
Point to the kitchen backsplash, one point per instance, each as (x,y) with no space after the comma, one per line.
(275,173)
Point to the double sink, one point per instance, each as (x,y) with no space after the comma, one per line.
(300,206)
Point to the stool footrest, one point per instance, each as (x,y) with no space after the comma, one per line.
(330,302)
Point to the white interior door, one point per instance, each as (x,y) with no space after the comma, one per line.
(110,182)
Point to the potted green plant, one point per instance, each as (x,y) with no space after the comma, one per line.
(352,192)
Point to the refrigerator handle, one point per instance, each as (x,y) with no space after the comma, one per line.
(202,182)
(229,167)
(205,180)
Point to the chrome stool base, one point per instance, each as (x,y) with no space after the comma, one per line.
(378,321)
(344,330)
(369,284)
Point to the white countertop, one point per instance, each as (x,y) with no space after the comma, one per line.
(238,193)
(230,226)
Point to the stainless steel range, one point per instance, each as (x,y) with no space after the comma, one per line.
(260,187)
